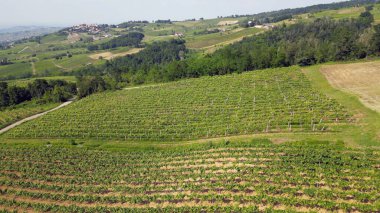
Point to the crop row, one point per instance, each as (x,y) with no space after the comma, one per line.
(314,176)
(279,100)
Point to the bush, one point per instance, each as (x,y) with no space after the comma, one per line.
(73,142)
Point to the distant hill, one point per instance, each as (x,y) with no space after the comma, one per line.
(21,32)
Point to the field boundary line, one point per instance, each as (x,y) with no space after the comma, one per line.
(6,129)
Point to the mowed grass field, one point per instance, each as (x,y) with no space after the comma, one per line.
(366,130)
(266,101)
(362,79)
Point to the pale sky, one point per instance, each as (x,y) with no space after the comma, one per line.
(69,12)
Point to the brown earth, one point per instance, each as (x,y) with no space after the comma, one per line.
(361,79)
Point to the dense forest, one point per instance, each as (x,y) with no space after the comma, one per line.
(135,68)
(303,44)
(280,15)
(131,24)
(132,39)
(40,90)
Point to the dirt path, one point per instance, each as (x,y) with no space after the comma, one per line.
(34,72)
(23,49)
(60,67)
(214,47)
(141,87)
(110,55)
(33,117)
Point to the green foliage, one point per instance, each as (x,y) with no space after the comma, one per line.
(280,15)
(239,178)
(132,39)
(53,90)
(4,96)
(89,85)
(376,39)
(132,24)
(278,100)
(18,95)
(12,114)
(73,142)
(366,19)
(140,63)
(40,90)
(326,39)
(17,70)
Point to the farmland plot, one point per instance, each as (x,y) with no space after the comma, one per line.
(240,177)
(361,79)
(267,101)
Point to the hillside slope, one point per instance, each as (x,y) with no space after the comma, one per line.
(277,100)
(238,177)
(361,79)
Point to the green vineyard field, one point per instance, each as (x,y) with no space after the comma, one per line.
(12,115)
(275,100)
(241,177)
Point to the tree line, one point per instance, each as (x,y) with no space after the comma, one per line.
(132,39)
(40,90)
(303,44)
(135,68)
(280,15)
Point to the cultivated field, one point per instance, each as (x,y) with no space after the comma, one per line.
(221,177)
(11,115)
(341,13)
(224,38)
(276,100)
(295,139)
(231,22)
(362,79)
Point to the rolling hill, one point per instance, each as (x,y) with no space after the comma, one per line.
(272,112)
(278,100)
(204,36)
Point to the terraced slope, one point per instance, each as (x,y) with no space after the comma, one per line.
(227,177)
(276,100)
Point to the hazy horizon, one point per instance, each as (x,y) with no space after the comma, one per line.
(71,12)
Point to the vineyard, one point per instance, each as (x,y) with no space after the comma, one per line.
(12,115)
(266,101)
(224,177)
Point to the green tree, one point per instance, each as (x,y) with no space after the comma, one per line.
(375,41)
(18,95)
(4,96)
(366,18)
